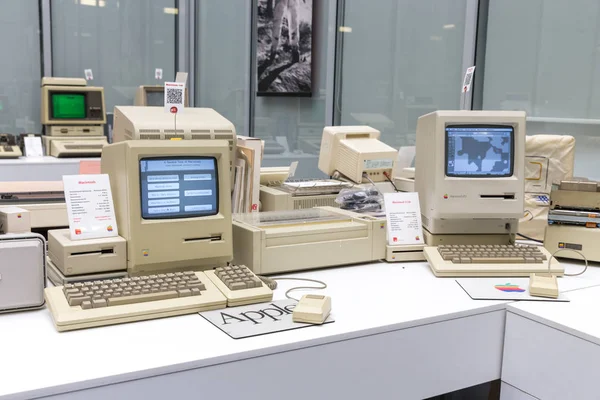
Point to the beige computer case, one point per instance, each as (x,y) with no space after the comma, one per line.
(45,109)
(170,244)
(354,238)
(585,240)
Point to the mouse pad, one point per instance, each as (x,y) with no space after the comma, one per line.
(502,289)
(256,319)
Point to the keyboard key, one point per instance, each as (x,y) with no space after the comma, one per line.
(140,298)
(87,304)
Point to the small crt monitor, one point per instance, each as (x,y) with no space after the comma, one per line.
(479,151)
(469,171)
(69,101)
(179,187)
(153,96)
(172,202)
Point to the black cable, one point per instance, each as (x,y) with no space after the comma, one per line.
(390,180)
(530,238)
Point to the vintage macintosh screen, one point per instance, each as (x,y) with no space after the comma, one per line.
(172,202)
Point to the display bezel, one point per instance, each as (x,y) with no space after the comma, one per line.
(485,126)
(172,217)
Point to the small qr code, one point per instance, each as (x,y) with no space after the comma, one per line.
(174,96)
(468,78)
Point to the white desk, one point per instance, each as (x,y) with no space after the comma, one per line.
(398,330)
(551,350)
(40,168)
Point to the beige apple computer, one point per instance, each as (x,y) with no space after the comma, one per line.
(73,116)
(153,96)
(173,207)
(153,123)
(356,154)
(470,178)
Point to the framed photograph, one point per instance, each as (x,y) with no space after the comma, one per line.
(284,47)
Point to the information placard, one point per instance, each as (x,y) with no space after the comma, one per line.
(90,206)
(403,215)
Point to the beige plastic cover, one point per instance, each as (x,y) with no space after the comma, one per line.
(549,159)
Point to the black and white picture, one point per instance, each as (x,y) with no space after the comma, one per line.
(284,48)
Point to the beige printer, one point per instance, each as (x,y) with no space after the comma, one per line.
(45,201)
(297,195)
(73,115)
(79,260)
(275,242)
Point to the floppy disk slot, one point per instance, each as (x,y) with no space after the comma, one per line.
(204,239)
(498,196)
(85,253)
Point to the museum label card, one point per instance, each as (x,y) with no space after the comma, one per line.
(90,206)
(403,216)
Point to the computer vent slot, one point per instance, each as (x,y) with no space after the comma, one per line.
(227,131)
(201,135)
(128,134)
(150,136)
(174,131)
(348,160)
(223,137)
(321,201)
(204,131)
(149,130)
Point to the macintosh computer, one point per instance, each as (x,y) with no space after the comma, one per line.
(356,154)
(73,116)
(173,207)
(153,96)
(153,123)
(470,176)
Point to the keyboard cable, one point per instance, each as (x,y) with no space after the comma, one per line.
(575,251)
(272,284)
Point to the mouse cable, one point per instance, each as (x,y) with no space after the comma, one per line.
(530,238)
(272,284)
(575,251)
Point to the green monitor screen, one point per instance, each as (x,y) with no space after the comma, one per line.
(68,105)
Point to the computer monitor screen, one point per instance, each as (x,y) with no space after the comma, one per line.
(155,98)
(178,187)
(68,105)
(479,151)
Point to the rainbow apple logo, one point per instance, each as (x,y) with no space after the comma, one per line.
(446,197)
(507,287)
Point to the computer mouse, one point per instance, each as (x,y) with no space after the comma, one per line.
(312,309)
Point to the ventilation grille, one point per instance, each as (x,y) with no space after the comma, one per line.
(223,137)
(174,131)
(201,135)
(150,136)
(347,161)
(83,146)
(128,134)
(226,131)
(204,131)
(321,201)
(149,130)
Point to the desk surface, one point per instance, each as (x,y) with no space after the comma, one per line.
(366,299)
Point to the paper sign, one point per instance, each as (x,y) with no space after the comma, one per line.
(403,215)
(89,76)
(89,167)
(33,146)
(501,289)
(89,206)
(181,77)
(256,319)
(158,73)
(468,79)
(174,92)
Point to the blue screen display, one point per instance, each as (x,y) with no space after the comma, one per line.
(178,187)
(479,151)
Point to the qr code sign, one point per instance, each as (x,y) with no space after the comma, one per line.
(174,96)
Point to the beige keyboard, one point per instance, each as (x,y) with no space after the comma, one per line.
(489,260)
(239,285)
(115,301)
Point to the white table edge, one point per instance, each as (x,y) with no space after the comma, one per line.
(266,351)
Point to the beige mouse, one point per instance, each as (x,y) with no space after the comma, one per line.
(312,309)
